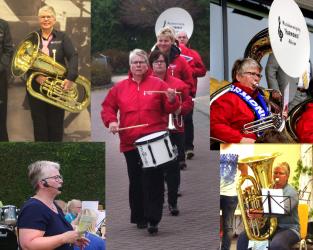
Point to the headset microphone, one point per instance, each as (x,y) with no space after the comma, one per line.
(45,184)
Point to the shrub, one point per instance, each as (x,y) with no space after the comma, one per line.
(100,73)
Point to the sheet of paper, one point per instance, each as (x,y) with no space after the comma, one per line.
(90,205)
(276,201)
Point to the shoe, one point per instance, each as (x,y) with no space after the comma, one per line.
(179,193)
(142,225)
(189,154)
(173,210)
(182,165)
(152,228)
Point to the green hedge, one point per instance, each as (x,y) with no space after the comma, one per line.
(82,166)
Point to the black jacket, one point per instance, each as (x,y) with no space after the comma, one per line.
(6,47)
(64,50)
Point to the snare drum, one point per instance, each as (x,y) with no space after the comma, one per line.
(8,215)
(8,239)
(156,149)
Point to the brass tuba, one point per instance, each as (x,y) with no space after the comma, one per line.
(251,197)
(28,57)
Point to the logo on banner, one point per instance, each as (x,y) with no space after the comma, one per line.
(280,33)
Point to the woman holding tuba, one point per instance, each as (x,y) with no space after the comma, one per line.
(48,119)
(241,105)
(287,232)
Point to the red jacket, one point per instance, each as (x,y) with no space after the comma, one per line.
(186,104)
(179,68)
(304,127)
(136,108)
(228,114)
(195,62)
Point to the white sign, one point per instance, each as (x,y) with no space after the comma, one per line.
(289,37)
(177,18)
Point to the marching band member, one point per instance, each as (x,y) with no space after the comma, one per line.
(41,223)
(146,188)
(197,66)
(242,104)
(178,66)
(287,233)
(6,50)
(199,70)
(48,119)
(159,64)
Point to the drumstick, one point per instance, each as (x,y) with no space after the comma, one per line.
(157,91)
(135,126)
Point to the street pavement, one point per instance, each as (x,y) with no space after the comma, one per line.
(197,226)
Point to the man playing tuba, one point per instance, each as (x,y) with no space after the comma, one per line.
(287,232)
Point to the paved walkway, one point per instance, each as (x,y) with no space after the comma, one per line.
(197,226)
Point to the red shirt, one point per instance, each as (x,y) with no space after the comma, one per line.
(304,127)
(136,108)
(228,114)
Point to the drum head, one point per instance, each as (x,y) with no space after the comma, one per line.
(151,137)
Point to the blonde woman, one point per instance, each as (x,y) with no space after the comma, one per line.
(74,207)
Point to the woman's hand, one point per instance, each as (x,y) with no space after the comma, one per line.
(67,84)
(82,242)
(113,127)
(170,93)
(71,236)
(41,79)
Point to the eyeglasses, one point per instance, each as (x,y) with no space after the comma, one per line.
(253,74)
(46,17)
(56,178)
(182,37)
(138,62)
(159,62)
(279,173)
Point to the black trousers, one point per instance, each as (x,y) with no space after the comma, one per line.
(47,120)
(3,106)
(146,190)
(189,131)
(172,170)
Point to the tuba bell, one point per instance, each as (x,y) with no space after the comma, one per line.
(28,57)
(250,197)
